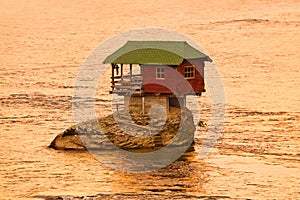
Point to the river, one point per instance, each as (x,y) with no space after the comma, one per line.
(255,46)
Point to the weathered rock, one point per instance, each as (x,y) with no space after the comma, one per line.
(129,130)
(69,142)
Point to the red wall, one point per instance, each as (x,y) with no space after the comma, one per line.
(174,81)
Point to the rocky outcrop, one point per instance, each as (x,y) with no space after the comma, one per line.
(68,140)
(129,130)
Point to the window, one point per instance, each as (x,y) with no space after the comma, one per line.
(189,72)
(160,73)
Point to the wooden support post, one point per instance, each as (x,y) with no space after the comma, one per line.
(121,70)
(141,70)
(113,76)
(143,105)
(168,104)
(130,72)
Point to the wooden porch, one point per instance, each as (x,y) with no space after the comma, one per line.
(124,84)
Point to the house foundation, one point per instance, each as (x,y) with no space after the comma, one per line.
(143,104)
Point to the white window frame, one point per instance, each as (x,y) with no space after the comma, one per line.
(160,75)
(189,74)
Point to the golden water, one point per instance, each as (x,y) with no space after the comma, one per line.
(255,45)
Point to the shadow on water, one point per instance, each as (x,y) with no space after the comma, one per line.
(135,196)
(183,179)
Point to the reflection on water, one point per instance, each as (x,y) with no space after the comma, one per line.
(43,43)
(184,178)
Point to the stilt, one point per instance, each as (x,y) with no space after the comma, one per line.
(113,76)
(143,105)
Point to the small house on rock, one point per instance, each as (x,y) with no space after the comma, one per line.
(156,72)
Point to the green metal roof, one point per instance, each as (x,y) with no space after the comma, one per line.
(155,52)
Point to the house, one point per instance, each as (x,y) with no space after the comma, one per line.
(156,72)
